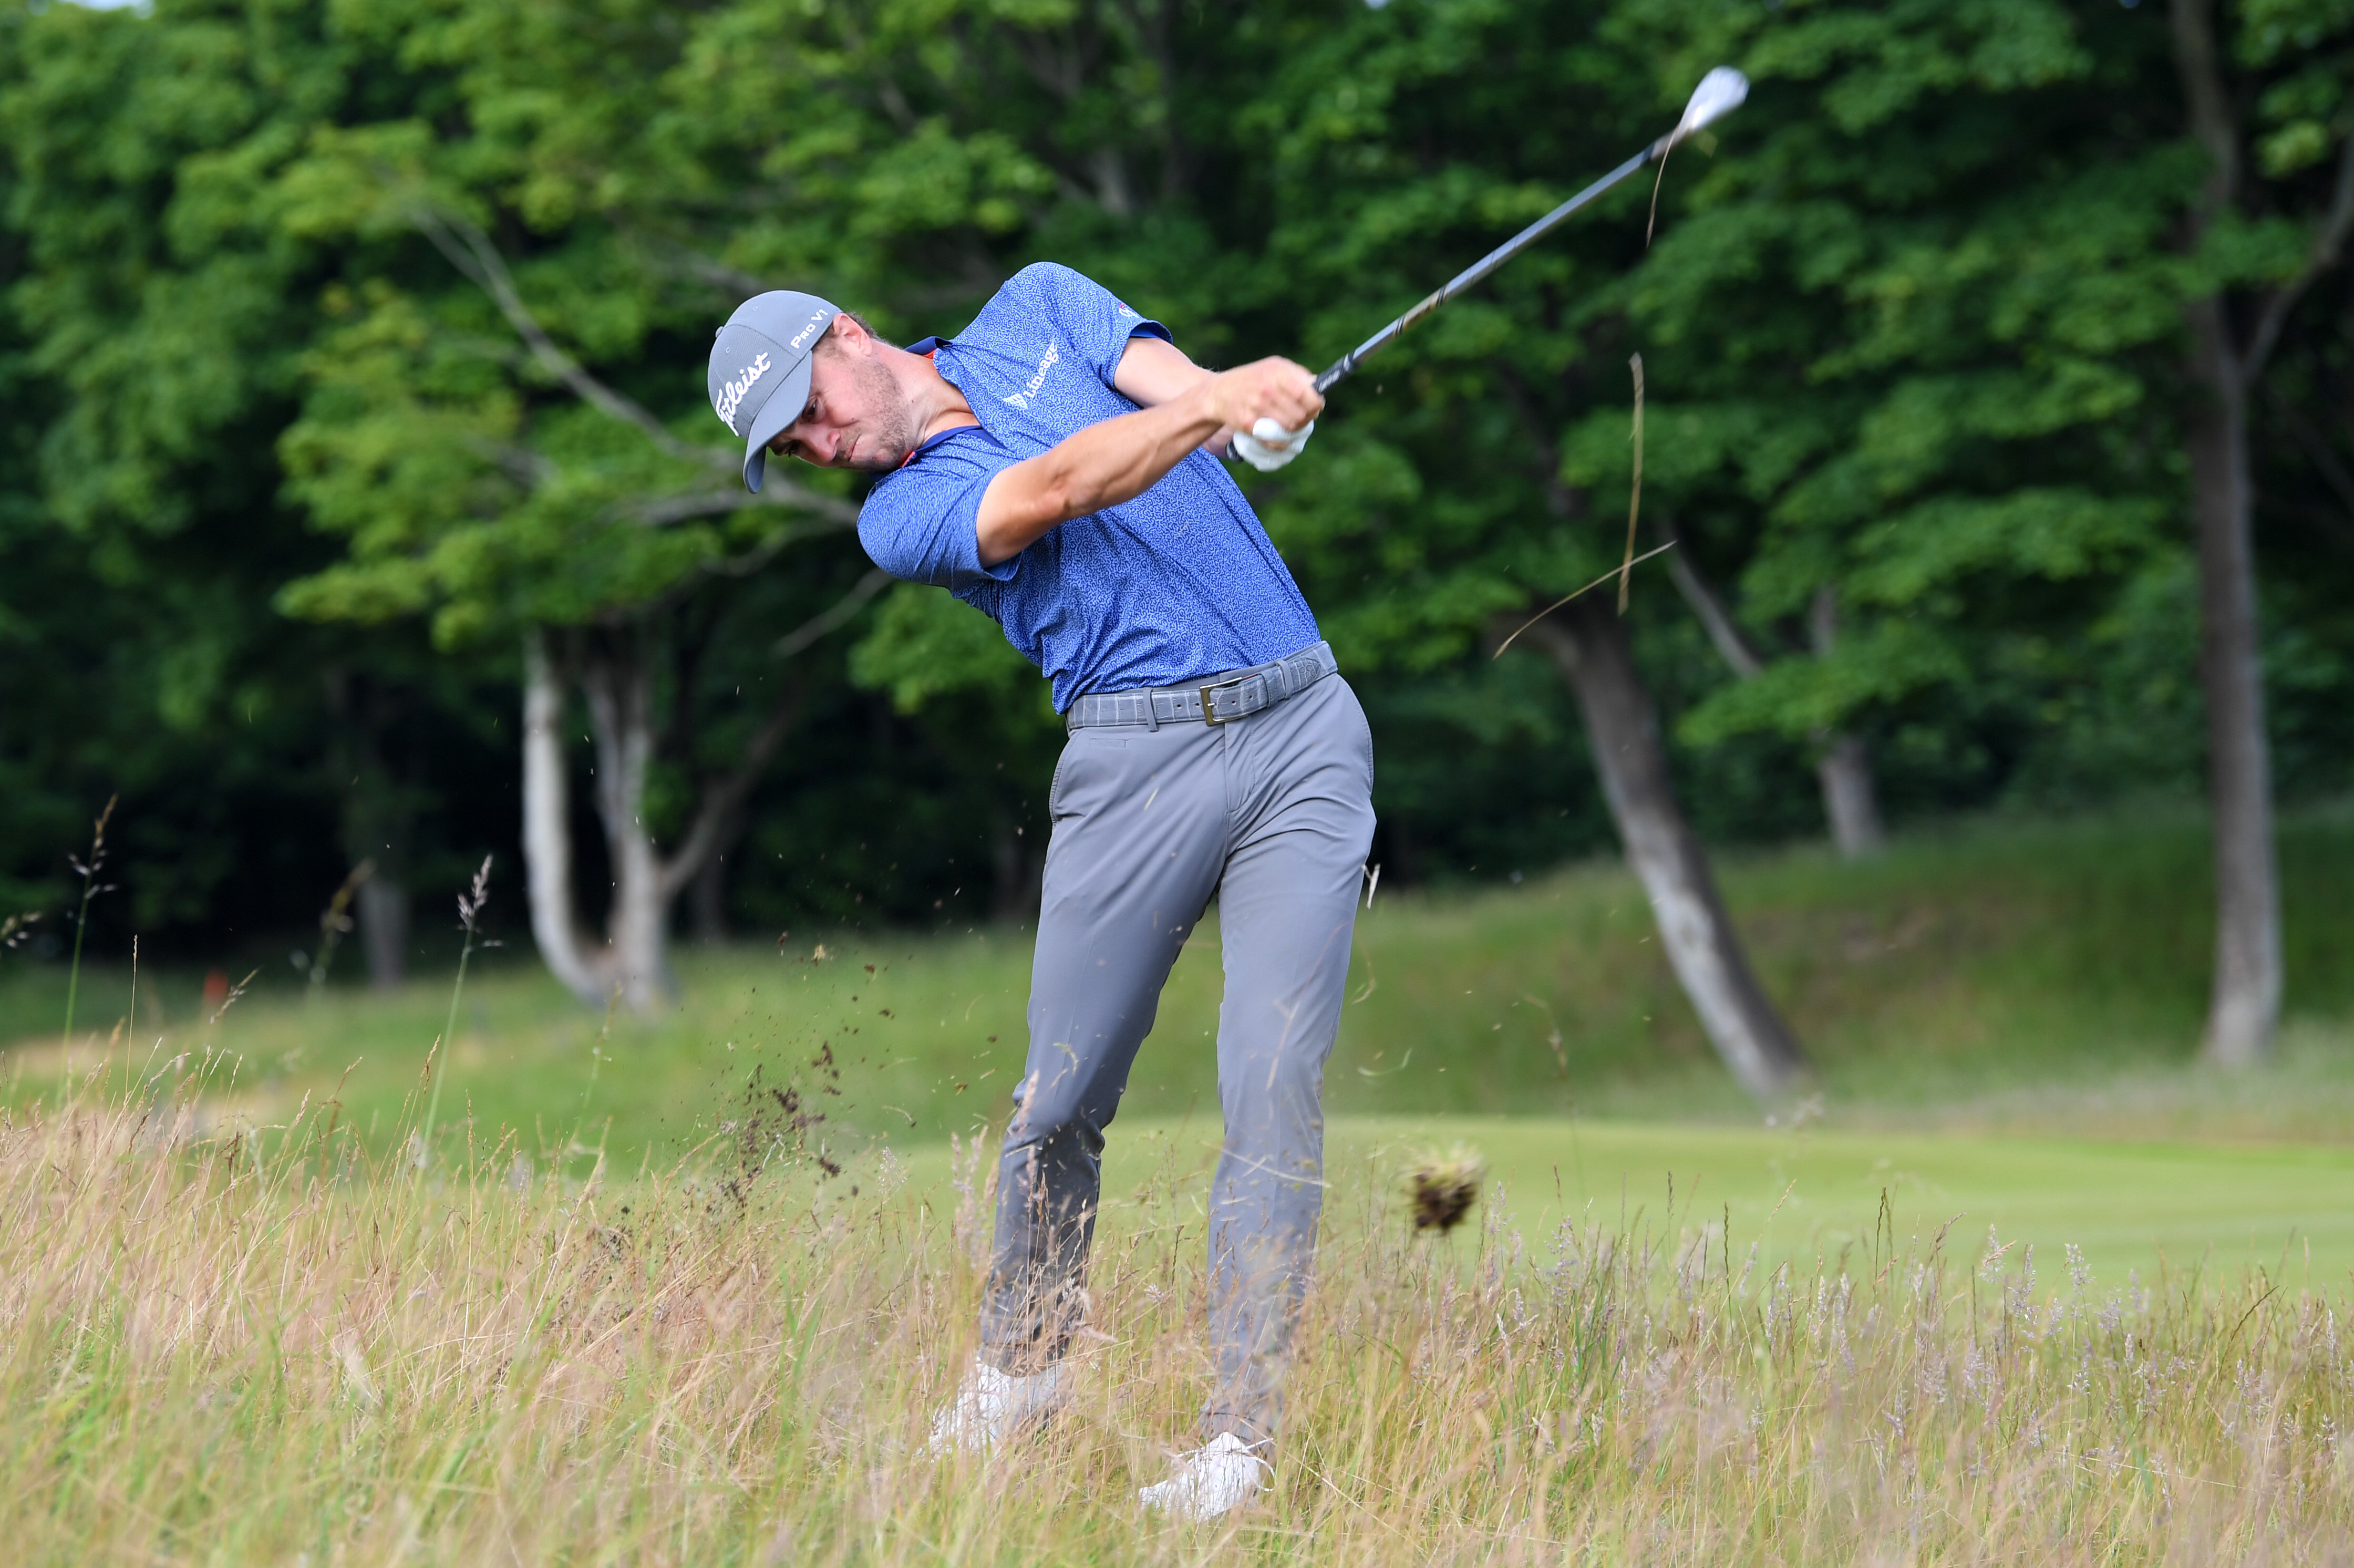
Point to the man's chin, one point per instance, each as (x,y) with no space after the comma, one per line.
(881,458)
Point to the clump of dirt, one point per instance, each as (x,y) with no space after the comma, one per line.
(1440,1189)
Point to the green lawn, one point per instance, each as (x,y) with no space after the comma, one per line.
(2129,1208)
(2003,1015)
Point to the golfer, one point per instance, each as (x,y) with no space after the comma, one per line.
(1055,465)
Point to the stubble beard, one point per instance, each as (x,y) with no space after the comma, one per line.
(890,433)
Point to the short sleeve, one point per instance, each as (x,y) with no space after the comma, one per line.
(919,524)
(1095,321)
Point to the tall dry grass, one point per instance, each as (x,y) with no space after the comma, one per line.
(238,1347)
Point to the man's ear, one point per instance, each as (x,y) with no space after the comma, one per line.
(849,338)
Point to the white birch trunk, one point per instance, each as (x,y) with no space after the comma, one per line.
(619,690)
(616,677)
(546,829)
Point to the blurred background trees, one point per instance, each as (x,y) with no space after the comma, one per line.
(358,499)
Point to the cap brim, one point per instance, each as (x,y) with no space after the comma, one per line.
(783,407)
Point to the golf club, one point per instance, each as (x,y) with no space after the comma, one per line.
(1720,93)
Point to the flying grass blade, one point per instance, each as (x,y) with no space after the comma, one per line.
(1615,571)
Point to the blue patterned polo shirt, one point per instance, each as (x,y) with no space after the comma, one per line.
(1179,584)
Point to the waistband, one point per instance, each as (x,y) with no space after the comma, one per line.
(1219,700)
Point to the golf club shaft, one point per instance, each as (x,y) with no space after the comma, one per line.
(1347,364)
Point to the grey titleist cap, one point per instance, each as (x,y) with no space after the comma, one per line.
(760,369)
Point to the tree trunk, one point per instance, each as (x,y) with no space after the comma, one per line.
(1013,870)
(1588,642)
(379,818)
(383,913)
(707,901)
(547,829)
(2244,1007)
(1844,773)
(617,679)
(616,676)
(1843,761)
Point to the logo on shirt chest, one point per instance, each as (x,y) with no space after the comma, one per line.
(1022,400)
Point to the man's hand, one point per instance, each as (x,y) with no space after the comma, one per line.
(1268,446)
(1122,458)
(1277,389)
(1154,371)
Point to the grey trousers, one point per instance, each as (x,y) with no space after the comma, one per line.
(1273,813)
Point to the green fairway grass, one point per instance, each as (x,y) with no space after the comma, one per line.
(2127,1206)
(2133,1211)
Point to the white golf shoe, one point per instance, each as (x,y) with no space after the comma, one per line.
(1211,1482)
(994,1406)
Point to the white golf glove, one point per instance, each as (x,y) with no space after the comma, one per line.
(1268,446)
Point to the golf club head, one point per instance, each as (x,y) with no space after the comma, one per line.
(1720,93)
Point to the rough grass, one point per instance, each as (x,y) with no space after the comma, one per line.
(225,1349)
(615,1314)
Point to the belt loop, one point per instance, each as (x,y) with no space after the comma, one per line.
(1152,713)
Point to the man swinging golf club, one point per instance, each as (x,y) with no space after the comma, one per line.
(1053,465)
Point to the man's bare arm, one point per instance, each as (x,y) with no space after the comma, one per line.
(1122,458)
(1153,371)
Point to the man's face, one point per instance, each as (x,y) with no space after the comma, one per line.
(857,415)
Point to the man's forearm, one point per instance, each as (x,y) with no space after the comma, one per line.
(1101,466)
(1123,456)
(1154,371)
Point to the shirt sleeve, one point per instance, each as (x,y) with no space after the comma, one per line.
(1095,322)
(920,523)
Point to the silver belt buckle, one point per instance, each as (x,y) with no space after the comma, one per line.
(1210,707)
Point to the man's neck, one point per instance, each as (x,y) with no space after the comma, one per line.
(939,406)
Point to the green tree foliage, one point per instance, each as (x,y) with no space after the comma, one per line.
(1826,396)
(1942,240)
(156,320)
(2304,428)
(367,336)
(506,417)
